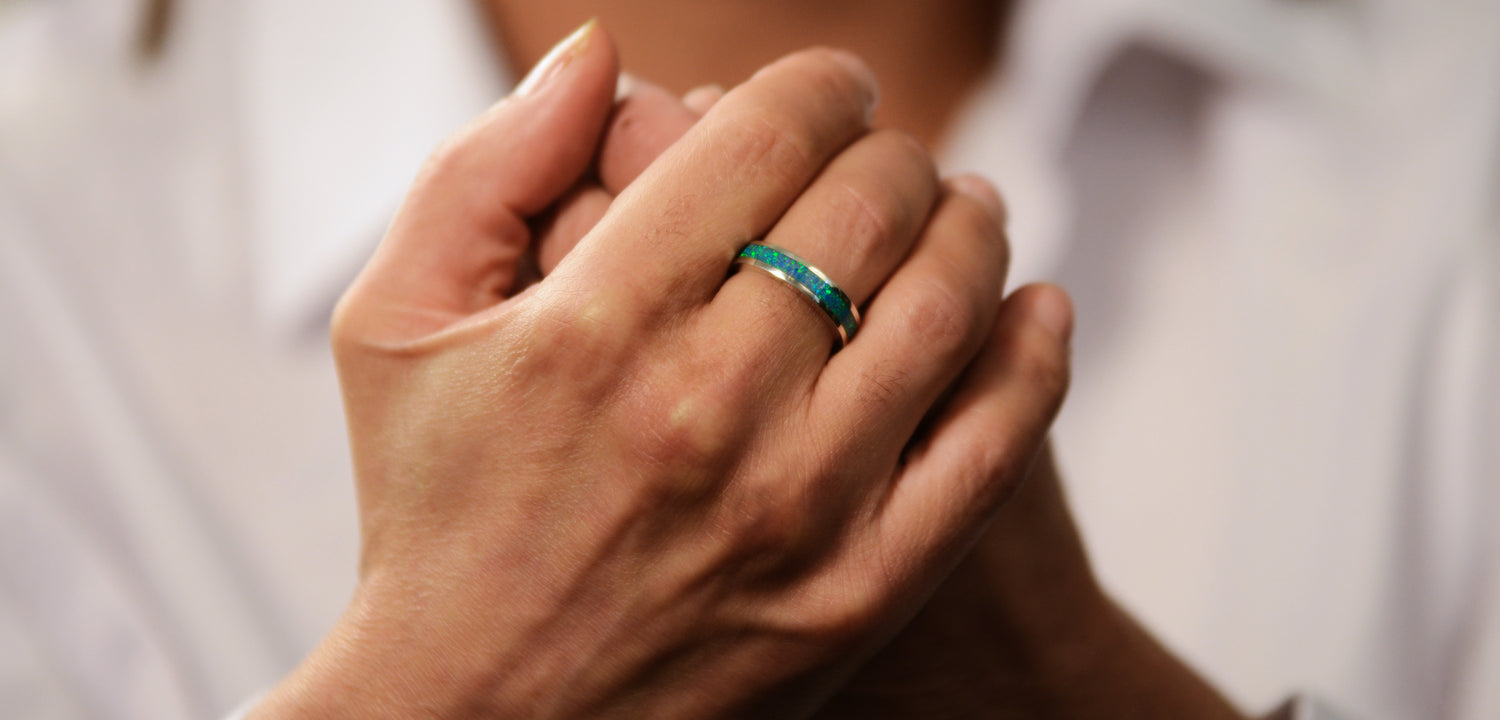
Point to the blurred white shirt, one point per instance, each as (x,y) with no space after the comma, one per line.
(1278,219)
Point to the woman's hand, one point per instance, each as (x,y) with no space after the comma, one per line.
(641,487)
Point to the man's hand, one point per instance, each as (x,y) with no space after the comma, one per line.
(1021,628)
(636,488)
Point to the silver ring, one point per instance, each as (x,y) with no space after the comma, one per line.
(810,282)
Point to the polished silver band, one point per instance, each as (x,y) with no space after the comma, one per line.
(810,282)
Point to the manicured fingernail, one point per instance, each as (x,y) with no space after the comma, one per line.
(624,86)
(862,73)
(983,193)
(1054,310)
(700,99)
(557,58)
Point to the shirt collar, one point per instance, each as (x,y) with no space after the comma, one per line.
(1017,128)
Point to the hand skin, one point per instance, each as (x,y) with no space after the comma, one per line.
(1021,629)
(636,488)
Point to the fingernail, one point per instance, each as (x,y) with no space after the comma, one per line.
(624,86)
(862,73)
(983,193)
(557,58)
(700,99)
(1054,310)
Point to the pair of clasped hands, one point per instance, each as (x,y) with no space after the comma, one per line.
(601,476)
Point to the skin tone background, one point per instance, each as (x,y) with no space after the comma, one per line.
(928,55)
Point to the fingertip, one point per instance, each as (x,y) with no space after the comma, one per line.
(643,125)
(830,64)
(624,87)
(1033,348)
(455,246)
(1051,308)
(532,147)
(588,42)
(981,191)
(702,98)
(861,72)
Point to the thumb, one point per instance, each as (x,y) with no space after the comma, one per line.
(456,244)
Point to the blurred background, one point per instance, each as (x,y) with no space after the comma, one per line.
(1277,219)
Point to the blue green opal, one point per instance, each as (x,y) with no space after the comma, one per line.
(829,296)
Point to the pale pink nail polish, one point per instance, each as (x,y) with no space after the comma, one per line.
(557,59)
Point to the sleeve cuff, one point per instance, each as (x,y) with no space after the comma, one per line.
(1303,706)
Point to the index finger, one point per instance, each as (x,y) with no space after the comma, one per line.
(675,231)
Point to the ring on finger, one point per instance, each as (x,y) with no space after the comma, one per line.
(810,282)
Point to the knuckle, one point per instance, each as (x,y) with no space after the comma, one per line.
(993,470)
(556,333)
(987,461)
(884,198)
(589,326)
(692,429)
(772,142)
(942,320)
(582,342)
(679,437)
(864,214)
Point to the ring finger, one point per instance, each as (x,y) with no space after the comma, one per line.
(855,223)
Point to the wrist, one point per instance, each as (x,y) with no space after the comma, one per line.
(1125,671)
(1058,644)
(364,669)
(1048,622)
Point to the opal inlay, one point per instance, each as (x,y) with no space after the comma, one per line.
(827,295)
